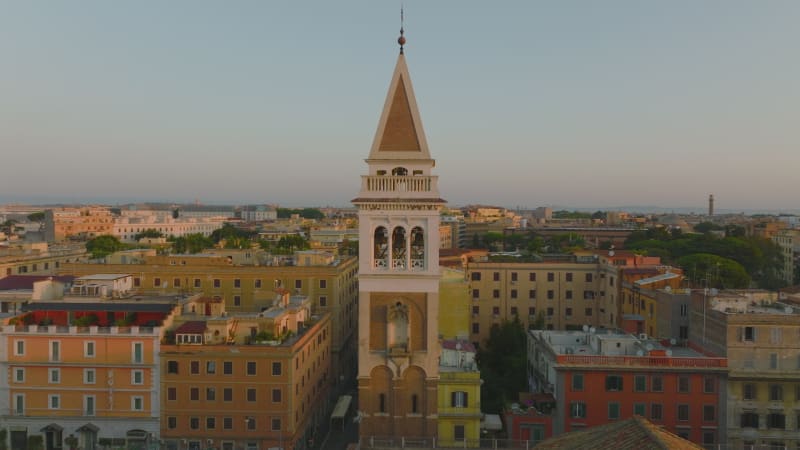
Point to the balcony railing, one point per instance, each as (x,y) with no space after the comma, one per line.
(390,184)
(63,329)
(647,361)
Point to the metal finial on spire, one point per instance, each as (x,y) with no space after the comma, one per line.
(401,40)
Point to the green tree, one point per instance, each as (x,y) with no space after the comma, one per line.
(104,245)
(191,243)
(36,217)
(715,271)
(503,365)
(706,227)
(293,243)
(306,213)
(149,233)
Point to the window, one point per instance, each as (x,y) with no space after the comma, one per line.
(172,367)
(588,278)
(475,276)
(709,413)
(194,423)
(569,277)
(251,367)
(749,334)
(89,376)
(588,311)
(476,328)
(54,401)
(382,403)
(551,276)
(257,284)
(513,293)
(276,368)
(514,311)
(216,283)
(551,294)
(211,394)
(237,283)
(227,394)
(137,377)
(137,403)
(709,438)
(414,404)
(775,336)
(323,301)
(749,391)
(323,284)
(194,393)
(176,282)
(496,293)
(172,422)
(211,367)
(88,405)
(459,399)
(749,419)
(251,394)
(683,332)
(684,310)
(577,410)
(773,360)
(639,409)
(459,432)
(197,283)
(513,276)
(172,394)
(640,383)
(775,392)
(19,347)
(577,381)
(55,350)
(137,281)
(709,385)
(532,276)
(776,421)
(683,412)
(237,300)
(54,376)
(251,424)
(683,384)
(19,374)
(613,383)
(298,284)
(588,295)
(568,295)
(532,311)
(532,294)
(568,312)
(276,395)
(227,423)
(656,411)
(613,410)
(476,293)
(496,276)
(137,355)
(156,282)
(496,310)
(476,310)
(549,312)
(19,404)
(227,368)
(194,367)
(276,424)
(88,349)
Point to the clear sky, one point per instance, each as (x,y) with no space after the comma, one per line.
(574,103)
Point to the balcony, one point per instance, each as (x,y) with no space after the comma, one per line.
(67,330)
(641,361)
(420,186)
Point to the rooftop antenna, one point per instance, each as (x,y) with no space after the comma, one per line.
(401,40)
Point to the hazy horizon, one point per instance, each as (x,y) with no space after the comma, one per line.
(523,103)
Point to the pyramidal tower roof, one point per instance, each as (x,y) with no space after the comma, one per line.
(400,135)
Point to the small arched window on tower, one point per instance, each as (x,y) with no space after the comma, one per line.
(399,171)
(417,248)
(399,248)
(381,248)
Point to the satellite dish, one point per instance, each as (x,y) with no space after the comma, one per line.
(611,253)
(668,289)
(673,341)
(458,345)
(585,328)
(639,353)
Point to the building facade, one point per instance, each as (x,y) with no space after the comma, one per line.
(398,211)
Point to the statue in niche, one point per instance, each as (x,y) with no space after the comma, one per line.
(397,321)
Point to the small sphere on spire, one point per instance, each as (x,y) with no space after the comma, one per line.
(401,40)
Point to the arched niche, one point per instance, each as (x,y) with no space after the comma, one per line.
(397,324)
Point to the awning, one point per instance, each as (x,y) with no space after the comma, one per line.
(491,422)
(53,427)
(136,434)
(89,427)
(342,406)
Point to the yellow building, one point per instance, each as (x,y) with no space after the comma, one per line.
(639,299)
(83,368)
(38,258)
(329,282)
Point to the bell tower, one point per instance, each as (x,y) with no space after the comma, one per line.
(398,309)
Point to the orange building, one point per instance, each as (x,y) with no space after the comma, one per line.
(601,377)
(245,381)
(84,369)
(83,223)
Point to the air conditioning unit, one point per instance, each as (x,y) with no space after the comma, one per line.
(209,441)
(642,335)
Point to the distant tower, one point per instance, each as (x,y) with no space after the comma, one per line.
(711,204)
(398,275)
